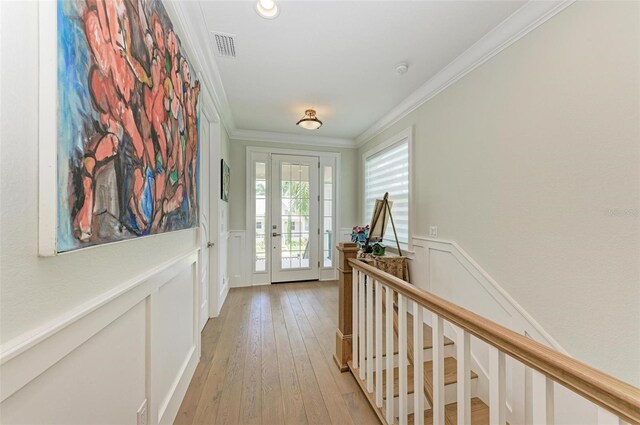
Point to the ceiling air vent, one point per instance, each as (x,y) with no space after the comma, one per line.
(225,44)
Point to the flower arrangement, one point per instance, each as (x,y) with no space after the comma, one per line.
(359,235)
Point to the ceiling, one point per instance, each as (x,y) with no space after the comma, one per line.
(337,57)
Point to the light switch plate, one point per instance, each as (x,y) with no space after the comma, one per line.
(433,231)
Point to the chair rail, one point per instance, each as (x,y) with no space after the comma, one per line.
(616,396)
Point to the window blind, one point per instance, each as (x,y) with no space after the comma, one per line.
(388,171)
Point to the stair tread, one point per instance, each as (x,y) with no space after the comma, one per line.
(479,414)
(427,336)
(450,377)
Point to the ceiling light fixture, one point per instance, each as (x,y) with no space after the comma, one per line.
(268,9)
(309,121)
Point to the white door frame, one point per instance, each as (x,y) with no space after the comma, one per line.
(263,154)
(210,182)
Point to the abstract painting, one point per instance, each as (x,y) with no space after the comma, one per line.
(128,117)
(225,181)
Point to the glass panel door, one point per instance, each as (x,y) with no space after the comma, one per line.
(294,219)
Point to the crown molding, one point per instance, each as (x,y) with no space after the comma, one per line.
(521,22)
(291,139)
(192,31)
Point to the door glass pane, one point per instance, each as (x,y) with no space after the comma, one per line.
(327,222)
(260,259)
(295,215)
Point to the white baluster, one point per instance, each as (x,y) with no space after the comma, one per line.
(543,403)
(464,378)
(378,338)
(354,319)
(607,418)
(418,365)
(389,348)
(369,330)
(361,349)
(438,369)
(497,387)
(402,358)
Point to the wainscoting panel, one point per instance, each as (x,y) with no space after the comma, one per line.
(446,270)
(102,361)
(239,259)
(100,382)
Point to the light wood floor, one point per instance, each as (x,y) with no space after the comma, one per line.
(268,360)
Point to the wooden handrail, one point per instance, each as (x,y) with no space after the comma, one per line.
(610,393)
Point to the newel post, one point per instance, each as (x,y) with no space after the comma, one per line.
(342,355)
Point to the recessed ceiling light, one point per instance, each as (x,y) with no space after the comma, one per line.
(309,121)
(268,9)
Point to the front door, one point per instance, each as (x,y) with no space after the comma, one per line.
(294,218)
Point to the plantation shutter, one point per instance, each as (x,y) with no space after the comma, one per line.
(388,171)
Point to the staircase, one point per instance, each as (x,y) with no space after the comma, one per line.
(479,409)
(391,337)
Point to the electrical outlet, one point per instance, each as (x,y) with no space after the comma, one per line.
(433,231)
(142,413)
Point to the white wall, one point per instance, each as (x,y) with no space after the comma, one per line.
(85,336)
(521,163)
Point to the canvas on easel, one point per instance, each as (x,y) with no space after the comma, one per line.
(379,220)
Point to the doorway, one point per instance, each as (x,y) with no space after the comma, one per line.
(291,223)
(294,218)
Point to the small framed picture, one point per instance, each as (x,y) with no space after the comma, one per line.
(225,181)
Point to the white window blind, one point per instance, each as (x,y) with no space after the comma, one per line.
(388,171)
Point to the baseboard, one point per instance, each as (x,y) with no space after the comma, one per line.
(223,295)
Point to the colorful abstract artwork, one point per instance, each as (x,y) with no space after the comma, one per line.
(128,116)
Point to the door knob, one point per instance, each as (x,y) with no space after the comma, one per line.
(210,244)
(274,234)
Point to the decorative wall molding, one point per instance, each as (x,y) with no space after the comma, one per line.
(446,270)
(239,260)
(424,247)
(191,29)
(516,26)
(32,355)
(291,139)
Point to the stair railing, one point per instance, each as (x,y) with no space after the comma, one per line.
(366,299)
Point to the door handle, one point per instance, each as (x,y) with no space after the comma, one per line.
(210,244)
(274,234)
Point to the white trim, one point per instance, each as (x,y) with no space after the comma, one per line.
(291,139)
(489,284)
(259,154)
(26,357)
(47,128)
(205,63)
(516,26)
(406,134)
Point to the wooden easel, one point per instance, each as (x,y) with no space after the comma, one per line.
(386,209)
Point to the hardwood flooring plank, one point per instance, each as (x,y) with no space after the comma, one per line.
(210,338)
(336,405)
(272,400)
(229,409)
(251,400)
(293,405)
(313,402)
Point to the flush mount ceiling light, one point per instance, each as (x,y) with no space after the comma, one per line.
(268,9)
(310,121)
